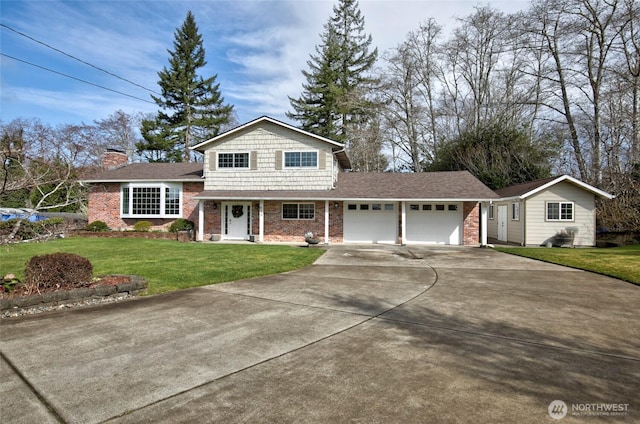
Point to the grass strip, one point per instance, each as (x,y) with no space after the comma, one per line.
(618,262)
(166,264)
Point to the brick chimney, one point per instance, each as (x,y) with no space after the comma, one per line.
(113,159)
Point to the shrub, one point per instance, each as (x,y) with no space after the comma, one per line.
(56,270)
(142,226)
(9,283)
(97,226)
(181,224)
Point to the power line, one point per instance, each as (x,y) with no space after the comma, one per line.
(78,59)
(75,78)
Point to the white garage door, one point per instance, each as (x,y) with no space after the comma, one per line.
(370,222)
(435,223)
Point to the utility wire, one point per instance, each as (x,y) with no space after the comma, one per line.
(75,78)
(78,59)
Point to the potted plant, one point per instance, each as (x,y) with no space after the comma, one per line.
(311,239)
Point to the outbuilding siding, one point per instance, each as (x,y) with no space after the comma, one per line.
(539,230)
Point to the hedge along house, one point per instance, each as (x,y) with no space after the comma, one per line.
(555,211)
(267,181)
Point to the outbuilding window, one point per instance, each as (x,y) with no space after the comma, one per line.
(559,211)
(153,200)
(515,211)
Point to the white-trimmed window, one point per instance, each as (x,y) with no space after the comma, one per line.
(307,159)
(150,200)
(298,211)
(491,212)
(559,211)
(515,211)
(233,160)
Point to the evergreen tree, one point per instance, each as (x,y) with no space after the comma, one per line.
(334,95)
(497,155)
(192,108)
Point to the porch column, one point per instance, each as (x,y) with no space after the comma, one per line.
(200,220)
(483,223)
(403,222)
(261,222)
(326,222)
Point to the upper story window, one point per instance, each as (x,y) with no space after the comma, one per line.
(560,211)
(233,160)
(153,200)
(301,159)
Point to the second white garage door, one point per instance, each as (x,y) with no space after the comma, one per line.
(370,222)
(434,223)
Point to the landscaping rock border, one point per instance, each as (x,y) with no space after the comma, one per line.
(133,287)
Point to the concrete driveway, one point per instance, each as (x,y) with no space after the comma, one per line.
(366,335)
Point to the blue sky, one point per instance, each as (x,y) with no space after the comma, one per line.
(257,49)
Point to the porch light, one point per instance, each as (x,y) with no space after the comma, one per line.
(336,205)
(215,206)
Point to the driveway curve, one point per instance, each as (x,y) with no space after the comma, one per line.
(367,334)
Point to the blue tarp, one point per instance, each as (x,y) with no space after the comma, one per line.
(32,218)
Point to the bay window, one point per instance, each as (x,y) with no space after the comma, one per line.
(152,200)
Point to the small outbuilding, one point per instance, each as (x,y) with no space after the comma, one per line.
(555,211)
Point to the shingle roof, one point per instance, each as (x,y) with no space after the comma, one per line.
(527,189)
(523,188)
(419,185)
(150,172)
(458,185)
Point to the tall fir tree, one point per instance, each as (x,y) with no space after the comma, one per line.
(192,107)
(337,82)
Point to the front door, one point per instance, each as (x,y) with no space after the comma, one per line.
(236,220)
(502,223)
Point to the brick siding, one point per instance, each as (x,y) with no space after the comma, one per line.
(471,223)
(104,205)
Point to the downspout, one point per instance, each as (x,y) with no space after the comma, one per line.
(523,222)
(344,149)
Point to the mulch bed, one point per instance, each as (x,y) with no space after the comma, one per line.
(108,280)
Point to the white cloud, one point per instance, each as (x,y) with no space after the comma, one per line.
(257,48)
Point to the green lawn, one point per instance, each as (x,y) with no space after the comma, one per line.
(619,262)
(167,265)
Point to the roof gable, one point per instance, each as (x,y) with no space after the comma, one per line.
(528,189)
(337,148)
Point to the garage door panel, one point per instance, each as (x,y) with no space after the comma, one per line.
(434,224)
(371,223)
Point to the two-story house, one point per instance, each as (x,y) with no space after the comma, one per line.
(267,181)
